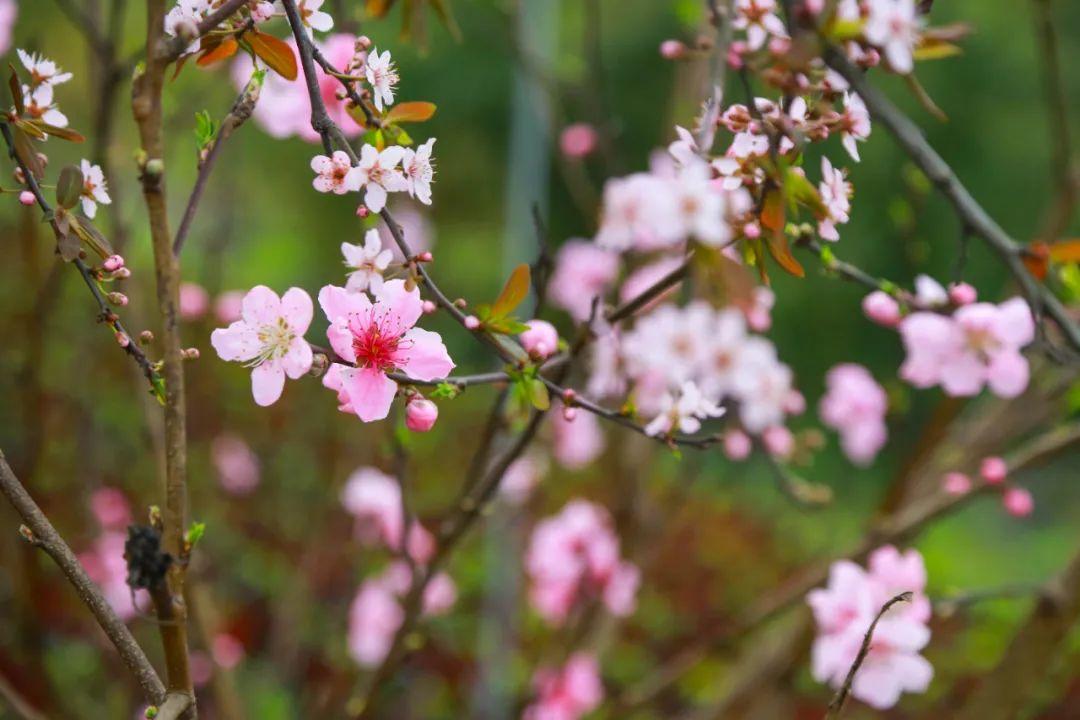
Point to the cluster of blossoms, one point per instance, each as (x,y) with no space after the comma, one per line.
(994,471)
(374,499)
(957,343)
(844,611)
(104,560)
(568,692)
(573,557)
(855,406)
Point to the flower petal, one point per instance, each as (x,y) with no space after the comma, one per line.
(370,393)
(261,306)
(267,382)
(236,342)
(405,305)
(297,309)
(297,360)
(426,355)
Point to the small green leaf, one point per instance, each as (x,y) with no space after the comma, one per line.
(194,534)
(445,391)
(538,394)
(69,187)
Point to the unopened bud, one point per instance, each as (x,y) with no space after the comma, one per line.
(186,30)
(319,364)
(752,231)
(460,303)
(20,176)
(429,307)
(472,322)
(190,353)
(672,50)
(362,211)
(568,396)
(122,339)
(421,414)
(27,198)
(569,414)
(118,298)
(113,263)
(122,274)
(425,257)
(146,337)
(154,167)
(962,293)
(363,42)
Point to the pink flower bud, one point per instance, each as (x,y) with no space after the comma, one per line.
(122,274)
(577,140)
(472,322)
(779,46)
(778,441)
(993,470)
(794,403)
(27,198)
(956,483)
(113,263)
(146,337)
(962,293)
(735,55)
(364,41)
(752,230)
(429,307)
(362,211)
(190,353)
(568,396)
(118,298)
(1018,502)
(194,301)
(737,445)
(421,414)
(122,340)
(569,414)
(425,257)
(881,308)
(541,339)
(672,50)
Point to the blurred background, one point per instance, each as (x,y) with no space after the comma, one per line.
(279,565)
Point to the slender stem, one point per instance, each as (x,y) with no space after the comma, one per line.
(170,49)
(43,535)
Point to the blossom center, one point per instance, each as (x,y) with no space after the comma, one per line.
(275,338)
(378,345)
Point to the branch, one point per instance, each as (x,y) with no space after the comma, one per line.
(43,535)
(106,312)
(971,214)
(836,705)
(172,48)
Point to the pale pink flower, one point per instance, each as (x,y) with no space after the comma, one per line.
(104,563)
(262,11)
(894,25)
(368,262)
(541,340)
(980,344)
(684,413)
(187,12)
(1018,502)
(40,105)
(566,693)
(577,140)
(763,385)
(882,308)
(583,272)
(379,173)
(415,226)
(855,124)
(194,301)
(855,405)
(229,305)
(227,650)
(236,463)
(993,470)
(374,499)
(378,338)
(336,174)
(374,618)
(737,445)
(758,18)
(641,211)
(778,441)
(312,17)
(574,556)
(382,76)
(111,508)
(836,196)
(606,378)
(418,171)
(578,442)
(42,70)
(759,313)
(956,483)
(269,337)
(95,189)
(699,206)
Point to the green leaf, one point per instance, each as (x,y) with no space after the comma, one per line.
(69,187)
(205,128)
(538,394)
(513,293)
(90,235)
(445,391)
(194,534)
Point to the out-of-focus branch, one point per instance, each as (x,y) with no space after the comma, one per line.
(895,528)
(39,531)
(19,705)
(969,211)
(240,112)
(147,109)
(836,705)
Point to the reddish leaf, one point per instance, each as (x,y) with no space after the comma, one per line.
(16,91)
(1036,258)
(274,52)
(378,8)
(772,211)
(1065,251)
(26,152)
(513,293)
(781,252)
(179,66)
(410,112)
(223,51)
(62,133)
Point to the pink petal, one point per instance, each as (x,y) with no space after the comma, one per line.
(297,309)
(963,375)
(404,305)
(375,197)
(426,357)
(261,306)
(236,342)
(267,382)
(1015,324)
(297,360)
(1008,374)
(370,393)
(321,164)
(338,304)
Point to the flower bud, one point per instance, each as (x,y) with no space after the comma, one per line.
(577,140)
(113,263)
(778,440)
(122,274)
(1018,502)
(190,353)
(956,483)
(319,364)
(795,403)
(993,470)
(752,230)
(569,414)
(425,257)
(154,168)
(881,308)
(962,293)
(362,211)
(420,414)
(428,307)
(540,340)
(122,339)
(672,50)
(364,42)
(472,322)
(27,198)
(146,337)
(117,298)
(737,445)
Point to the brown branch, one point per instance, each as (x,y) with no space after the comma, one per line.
(146,107)
(836,705)
(169,49)
(44,535)
(967,209)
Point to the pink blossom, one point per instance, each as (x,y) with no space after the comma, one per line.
(378,338)
(111,508)
(835,195)
(104,563)
(573,556)
(418,171)
(521,477)
(9,10)
(194,301)
(576,443)
(980,344)
(368,262)
(379,173)
(566,693)
(229,306)
(881,308)
(577,140)
(646,277)
(269,337)
(336,174)
(27,198)
(759,313)
(641,211)
(415,225)
(956,483)
(236,464)
(779,441)
(95,188)
(374,499)
(382,76)
(758,18)
(672,49)
(421,414)
(894,25)
(994,470)
(855,405)
(583,271)
(684,413)
(855,124)
(227,650)
(962,293)
(541,340)
(1018,502)
(737,445)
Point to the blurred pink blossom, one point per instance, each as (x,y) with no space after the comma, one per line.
(566,693)
(104,563)
(194,301)
(227,650)
(583,271)
(1018,502)
(576,443)
(521,477)
(956,483)
(229,305)
(111,508)
(236,464)
(577,140)
(855,405)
